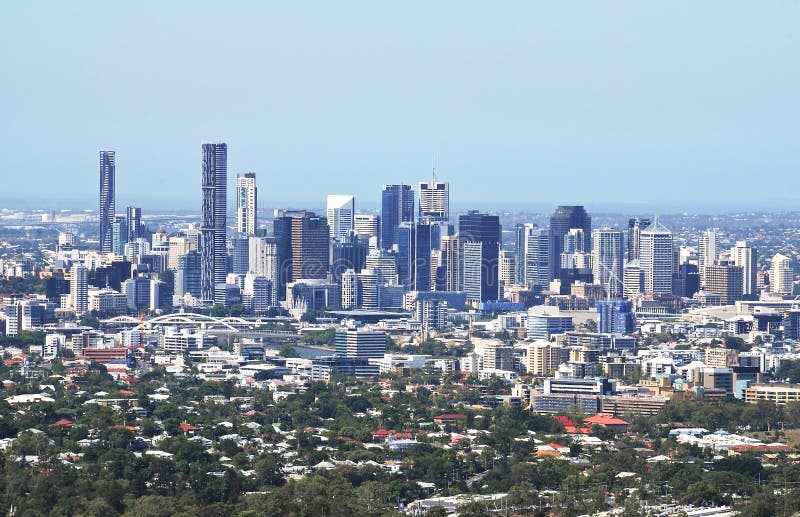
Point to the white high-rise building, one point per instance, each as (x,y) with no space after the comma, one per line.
(367,225)
(607,257)
(341,212)
(656,258)
(538,268)
(434,201)
(79,289)
(263,261)
(707,252)
(246,201)
(747,257)
(781,276)
(349,289)
(633,279)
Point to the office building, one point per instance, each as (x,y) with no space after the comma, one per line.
(781,276)
(746,257)
(79,289)
(543,326)
(708,251)
(367,226)
(240,254)
(310,247)
(178,247)
(360,343)
(213,249)
(726,280)
(263,257)
(607,260)
(424,236)
(107,210)
(384,266)
(24,315)
(656,258)
(341,211)
(450,272)
(349,252)
(616,317)
(562,220)
(119,232)
(258,292)
(481,237)
(135,228)
(397,206)
(189,274)
(635,227)
(508,267)
(246,203)
(434,201)
(538,266)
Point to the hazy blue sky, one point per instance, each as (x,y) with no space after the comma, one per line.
(522,102)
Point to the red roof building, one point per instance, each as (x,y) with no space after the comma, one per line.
(449,418)
(63,423)
(617,424)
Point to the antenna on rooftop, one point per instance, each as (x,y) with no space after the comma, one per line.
(433,167)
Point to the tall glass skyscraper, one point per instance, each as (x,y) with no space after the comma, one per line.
(134,220)
(106,201)
(397,206)
(213,252)
(481,235)
(562,221)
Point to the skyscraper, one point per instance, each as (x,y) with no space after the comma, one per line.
(434,201)
(213,250)
(781,276)
(537,267)
(340,210)
(635,227)
(79,289)
(263,257)
(481,236)
(107,210)
(607,260)
(246,203)
(747,257)
(449,276)
(134,220)
(724,279)
(656,258)
(707,251)
(397,206)
(563,219)
(310,247)
(367,225)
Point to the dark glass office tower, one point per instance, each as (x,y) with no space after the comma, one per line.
(564,219)
(214,254)
(397,206)
(481,237)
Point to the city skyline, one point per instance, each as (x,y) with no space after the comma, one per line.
(589,95)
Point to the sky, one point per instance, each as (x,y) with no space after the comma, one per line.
(521,103)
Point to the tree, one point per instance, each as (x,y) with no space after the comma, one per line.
(218,311)
(287,350)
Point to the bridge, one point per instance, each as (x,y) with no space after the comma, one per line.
(193,320)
